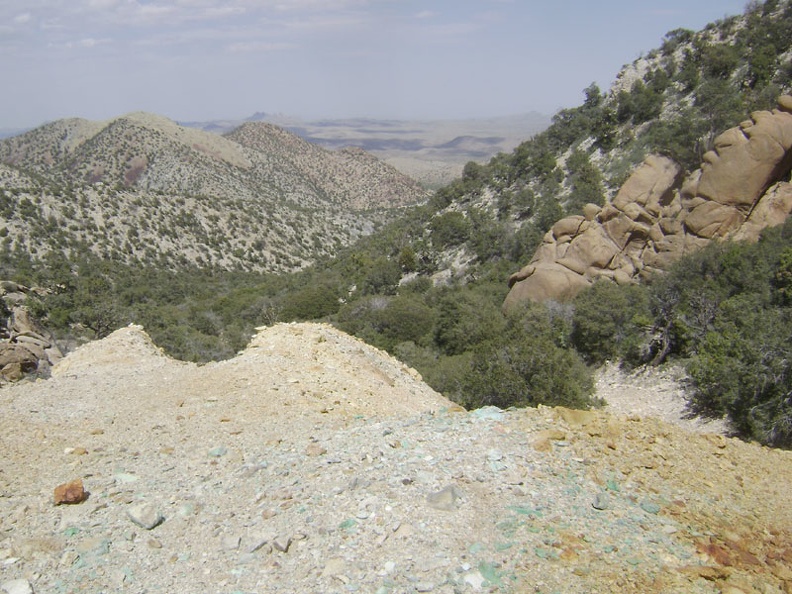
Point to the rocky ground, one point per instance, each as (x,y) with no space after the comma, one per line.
(315,463)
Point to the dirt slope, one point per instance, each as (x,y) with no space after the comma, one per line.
(315,463)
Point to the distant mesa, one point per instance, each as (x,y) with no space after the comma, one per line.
(657,217)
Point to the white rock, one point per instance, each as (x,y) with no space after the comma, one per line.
(17,587)
(475,580)
(145,515)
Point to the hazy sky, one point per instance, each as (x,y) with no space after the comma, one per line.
(211,59)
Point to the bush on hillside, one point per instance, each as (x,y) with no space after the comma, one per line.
(743,368)
(527,366)
(612,322)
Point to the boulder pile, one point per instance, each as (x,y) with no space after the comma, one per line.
(657,216)
(25,346)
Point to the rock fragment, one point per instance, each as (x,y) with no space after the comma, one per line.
(145,515)
(445,499)
(282,543)
(600,502)
(17,587)
(70,493)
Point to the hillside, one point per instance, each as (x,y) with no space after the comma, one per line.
(312,462)
(141,189)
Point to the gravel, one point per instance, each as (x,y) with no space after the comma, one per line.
(314,463)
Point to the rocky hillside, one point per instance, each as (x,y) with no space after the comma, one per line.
(312,462)
(140,188)
(672,102)
(657,216)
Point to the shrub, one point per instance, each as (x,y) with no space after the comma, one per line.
(744,369)
(526,366)
(612,322)
(449,229)
(311,303)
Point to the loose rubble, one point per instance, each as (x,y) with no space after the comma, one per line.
(342,472)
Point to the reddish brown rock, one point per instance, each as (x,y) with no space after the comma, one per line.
(656,217)
(71,492)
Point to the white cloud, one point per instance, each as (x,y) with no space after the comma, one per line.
(87,42)
(425,14)
(259,47)
(101,4)
(23,18)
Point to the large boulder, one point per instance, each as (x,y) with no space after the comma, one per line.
(25,346)
(656,217)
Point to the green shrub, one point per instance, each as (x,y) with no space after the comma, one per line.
(612,322)
(449,229)
(526,366)
(744,369)
(466,319)
(311,303)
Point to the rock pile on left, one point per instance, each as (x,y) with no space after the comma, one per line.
(25,347)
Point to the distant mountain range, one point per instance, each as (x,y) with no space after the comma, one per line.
(142,188)
(430,151)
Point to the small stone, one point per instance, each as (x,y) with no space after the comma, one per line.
(231,543)
(153,543)
(282,543)
(575,418)
(314,450)
(474,579)
(70,493)
(333,567)
(445,499)
(218,452)
(17,587)
(600,502)
(650,507)
(424,587)
(145,515)
(487,413)
(494,455)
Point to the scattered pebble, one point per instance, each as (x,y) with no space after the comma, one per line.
(600,502)
(445,499)
(145,515)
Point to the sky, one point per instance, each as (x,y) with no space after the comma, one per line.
(198,60)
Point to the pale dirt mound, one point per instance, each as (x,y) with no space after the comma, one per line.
(127,347)
(312,462)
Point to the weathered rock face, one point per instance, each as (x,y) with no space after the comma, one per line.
(25,346)
(655,218)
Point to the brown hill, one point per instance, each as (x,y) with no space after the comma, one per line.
(314,463)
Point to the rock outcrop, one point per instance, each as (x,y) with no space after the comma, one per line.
(656,217)
(25,347)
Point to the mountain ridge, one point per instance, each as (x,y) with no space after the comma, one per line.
(80,174)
